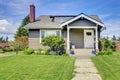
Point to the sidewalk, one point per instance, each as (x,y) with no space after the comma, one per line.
(85,69)
(5,54)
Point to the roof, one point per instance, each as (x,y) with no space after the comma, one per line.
(4,44)
(55,21)
(42,24)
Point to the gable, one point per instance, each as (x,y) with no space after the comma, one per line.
(82,22)
(83,16)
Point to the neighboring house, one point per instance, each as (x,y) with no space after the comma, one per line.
(3,45)
(82,31)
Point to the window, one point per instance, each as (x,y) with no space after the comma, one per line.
(88,33)
(42,34)
(49,33)
(58,33)
(45,33)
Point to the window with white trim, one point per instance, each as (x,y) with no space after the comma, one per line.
(45,33)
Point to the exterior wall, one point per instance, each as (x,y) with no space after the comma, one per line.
(82,22)
(77,38)
(34,39)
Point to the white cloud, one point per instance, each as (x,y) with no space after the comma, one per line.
(113,27)
(102,16)
(7,27)
(18,6)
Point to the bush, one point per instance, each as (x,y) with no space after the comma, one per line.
(1,51)
(54,42)
(28,51)
(38,51)
(9,49)
(105,52)
(47,51)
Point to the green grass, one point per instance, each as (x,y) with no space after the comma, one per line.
(108,66)
(36,67)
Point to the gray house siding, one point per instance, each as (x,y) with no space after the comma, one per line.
(77,38)
(82,22)
(34,39)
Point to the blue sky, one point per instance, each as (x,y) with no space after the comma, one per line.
(13,11)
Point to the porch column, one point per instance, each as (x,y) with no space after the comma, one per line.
(68,38)
(96,40)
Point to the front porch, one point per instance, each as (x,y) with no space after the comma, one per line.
(82,37)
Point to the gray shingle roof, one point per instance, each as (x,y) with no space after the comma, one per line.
(48,21)
(42,24)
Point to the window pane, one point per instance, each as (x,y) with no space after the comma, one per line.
(57,33)
(88,33)
(50,33)
(42,34)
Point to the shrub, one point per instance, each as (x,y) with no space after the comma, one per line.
(9,49)
(105,52)
(38,51)
(1,51)
(47,51)
(106,44)
(54,42)
(28,51)
(21,43)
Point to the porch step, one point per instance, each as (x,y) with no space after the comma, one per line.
(83,52)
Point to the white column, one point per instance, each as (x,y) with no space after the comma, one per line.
(68,38)
(96,40)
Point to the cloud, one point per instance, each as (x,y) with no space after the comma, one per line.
(17,6)
(8,28)
(103,16)
(113,27)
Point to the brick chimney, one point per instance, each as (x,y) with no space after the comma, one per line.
(32,13)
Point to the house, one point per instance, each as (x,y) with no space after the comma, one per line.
(3,45)
(79,31)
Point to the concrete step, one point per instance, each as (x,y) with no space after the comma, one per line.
(84,52)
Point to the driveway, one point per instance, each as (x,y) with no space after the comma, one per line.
(85,69)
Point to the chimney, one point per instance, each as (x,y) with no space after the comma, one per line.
(32,13)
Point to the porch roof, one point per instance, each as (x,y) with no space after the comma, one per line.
(82,15)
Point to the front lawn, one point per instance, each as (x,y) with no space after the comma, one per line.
(108,66)
(36,67)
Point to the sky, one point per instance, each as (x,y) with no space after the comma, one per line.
(13,11)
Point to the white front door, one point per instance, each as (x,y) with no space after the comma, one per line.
(88,39)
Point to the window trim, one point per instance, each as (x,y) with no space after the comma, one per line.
(46,31)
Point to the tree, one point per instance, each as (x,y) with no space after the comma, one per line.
(22,31)
(54,42)
(118,39)
(6,39)
(114,38)
(20,43)
(2,39)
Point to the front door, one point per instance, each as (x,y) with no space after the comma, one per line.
(88,39)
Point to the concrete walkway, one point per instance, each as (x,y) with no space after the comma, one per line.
(85,69)
(6,54)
